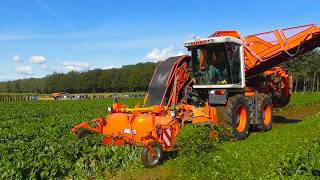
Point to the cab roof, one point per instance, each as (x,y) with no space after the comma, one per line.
(212,40)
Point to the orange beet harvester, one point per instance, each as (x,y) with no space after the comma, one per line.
(227,81)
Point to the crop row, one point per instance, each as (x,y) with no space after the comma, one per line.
(35,141)
(18,96)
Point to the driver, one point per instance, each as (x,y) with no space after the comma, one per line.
(219,66)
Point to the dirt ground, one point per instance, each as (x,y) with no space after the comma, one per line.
(294,115)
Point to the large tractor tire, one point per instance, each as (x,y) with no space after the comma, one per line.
(235,116)
(152,155)
(265,112)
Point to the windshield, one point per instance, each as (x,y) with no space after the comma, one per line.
(216,64)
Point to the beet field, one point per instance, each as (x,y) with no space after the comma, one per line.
(36,142)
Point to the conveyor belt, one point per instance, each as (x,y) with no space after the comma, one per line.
(159,84)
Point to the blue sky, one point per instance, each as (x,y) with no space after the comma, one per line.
(39,37)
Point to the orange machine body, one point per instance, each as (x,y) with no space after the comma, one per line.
(134,128)
(139,126)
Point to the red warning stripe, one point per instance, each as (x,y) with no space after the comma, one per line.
(166,137)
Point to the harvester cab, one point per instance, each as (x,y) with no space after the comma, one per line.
(217,66)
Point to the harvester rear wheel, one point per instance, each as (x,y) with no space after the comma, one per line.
(235,116)
(265,112)
(83,133)
(152,155)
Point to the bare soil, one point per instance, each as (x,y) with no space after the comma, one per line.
(294,115)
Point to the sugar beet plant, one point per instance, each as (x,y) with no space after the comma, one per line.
(305,162)
(35,141)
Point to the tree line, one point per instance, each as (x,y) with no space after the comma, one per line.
(132,78)
(129,78)
(305,71)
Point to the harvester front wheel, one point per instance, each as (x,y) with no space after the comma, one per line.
(152,155)
(265,112)
(235,116)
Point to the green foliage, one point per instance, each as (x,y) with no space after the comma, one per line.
(195,148)
(304,66)
(299,100)
(303,100)
(304,162)
(259,156)
(305,70)
(195,139)
(203,165)
(36,142)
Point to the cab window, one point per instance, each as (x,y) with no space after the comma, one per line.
(233,51)
(213,66)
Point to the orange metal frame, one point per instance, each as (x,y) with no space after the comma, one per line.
(261,49)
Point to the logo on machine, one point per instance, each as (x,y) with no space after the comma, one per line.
(166,137)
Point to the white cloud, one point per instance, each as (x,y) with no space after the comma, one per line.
(37,60)
(25,70)
(75,66)
(110,67)
(161,54)
(16,59)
